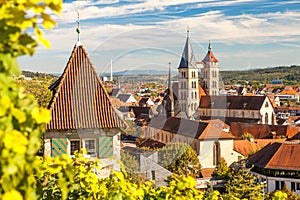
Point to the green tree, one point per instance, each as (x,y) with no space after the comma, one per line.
(284,191)
(21,120)
(180,159)
(247,136)
(39,88)
(222,171)
(244,185)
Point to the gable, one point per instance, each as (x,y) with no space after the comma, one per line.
(80,99)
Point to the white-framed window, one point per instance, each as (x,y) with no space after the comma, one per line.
(75,145)
(90,146)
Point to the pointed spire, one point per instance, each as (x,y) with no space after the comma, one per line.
(188,59)
(210,57)
(78,27)
(171,92)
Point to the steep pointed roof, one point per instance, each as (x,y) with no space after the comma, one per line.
(187,59)
(80,100)
(210,57)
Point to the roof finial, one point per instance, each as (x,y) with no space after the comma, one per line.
(209,47)
(78,27)
(187,31)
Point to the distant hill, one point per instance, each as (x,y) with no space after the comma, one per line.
(36,74)
(142,72)
(289,74)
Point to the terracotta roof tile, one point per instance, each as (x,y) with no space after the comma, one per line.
(80,100)
(189,128)
(258,131)
(245,147)
(210,57)
(232,102)
(278,156)
(207,172)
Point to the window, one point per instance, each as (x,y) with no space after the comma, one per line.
(90,146)
(153,175)
(266,118)
(298,186)
(216,152)
(266,105)
(293,188)
(277,185)
(282,184)
(75,146)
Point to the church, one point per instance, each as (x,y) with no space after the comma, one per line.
(189,89)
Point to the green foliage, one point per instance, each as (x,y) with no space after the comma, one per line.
(180,159)
(243,185)
(279,195)
(222,171)
(39,88)
(179,188)
(259,77)
(21,121)
(284,193)
(247,136)
(129,162)
(17,18)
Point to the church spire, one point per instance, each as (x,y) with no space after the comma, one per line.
(209,47)
(171,92)
(187,59)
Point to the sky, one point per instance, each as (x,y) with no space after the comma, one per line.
(148,34)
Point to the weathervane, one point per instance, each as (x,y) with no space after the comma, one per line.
(78,26)
(187,30)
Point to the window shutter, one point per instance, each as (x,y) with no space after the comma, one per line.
(106,149)
(59,146)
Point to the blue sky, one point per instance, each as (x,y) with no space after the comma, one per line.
(147,34)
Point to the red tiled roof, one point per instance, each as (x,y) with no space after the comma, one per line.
(245,147)
(201,91)
(258,131)
(207,172)
(189,128)
(152,144)
(232,102)
(79,99)
(278,156)
(210,57)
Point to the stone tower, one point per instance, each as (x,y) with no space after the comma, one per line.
(210,72)
(188,81)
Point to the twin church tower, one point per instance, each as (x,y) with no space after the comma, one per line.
(190,85)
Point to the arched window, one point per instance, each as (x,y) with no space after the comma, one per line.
(192,95)
(266,118)
(216,152)
(196,95)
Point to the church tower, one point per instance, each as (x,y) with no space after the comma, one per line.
(210,72)
(188,81)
